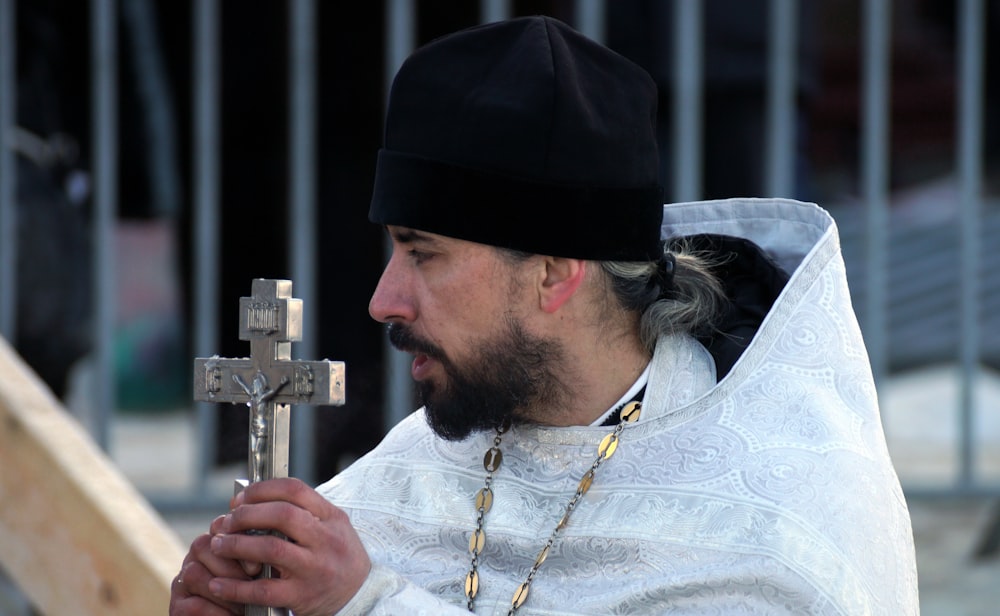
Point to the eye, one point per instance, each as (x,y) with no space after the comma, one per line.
(418,256)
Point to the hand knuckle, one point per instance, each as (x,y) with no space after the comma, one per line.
(200,543)
(217,523)
(200,549)
(338,515)
(277,549)
(240,518)
(263,592)
(296,487)
(238,514)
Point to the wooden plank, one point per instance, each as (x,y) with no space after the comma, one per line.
(75,535)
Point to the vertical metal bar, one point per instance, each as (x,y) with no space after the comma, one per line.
(591,20)
(302,210)
(205,58)
(493,10)
(149,72)
(8,172)
(875,177)
(401,31)
(970,151)
(400,41)
(781,97)
(687,121)
(104,95)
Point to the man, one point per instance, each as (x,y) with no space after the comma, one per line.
(608,426)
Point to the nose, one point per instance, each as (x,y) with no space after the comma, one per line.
(392,300)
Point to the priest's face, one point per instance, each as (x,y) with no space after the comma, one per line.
(457,307)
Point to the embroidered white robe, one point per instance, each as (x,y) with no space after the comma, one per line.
(769,492)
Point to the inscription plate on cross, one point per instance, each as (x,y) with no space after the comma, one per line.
(269,381)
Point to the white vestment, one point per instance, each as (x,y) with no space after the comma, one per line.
(769,492)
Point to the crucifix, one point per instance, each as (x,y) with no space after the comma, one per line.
(268,382)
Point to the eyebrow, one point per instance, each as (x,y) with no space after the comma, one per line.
(411,236)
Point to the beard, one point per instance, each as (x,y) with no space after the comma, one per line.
(502,378)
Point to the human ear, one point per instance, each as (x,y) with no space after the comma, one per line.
(562,278)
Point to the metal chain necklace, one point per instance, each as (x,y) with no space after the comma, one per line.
(484,500)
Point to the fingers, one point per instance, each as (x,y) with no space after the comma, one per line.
(319,567)
(215,564)
(252,569)
(267,592)
(288,489)
(190,594)
(298,512)
(288,506)
(220,525)
(198,606)
(281,554)
(299,525)
(216,526)
(308,580)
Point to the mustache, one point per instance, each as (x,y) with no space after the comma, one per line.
(403,338)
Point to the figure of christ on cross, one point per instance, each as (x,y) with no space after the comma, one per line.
(260,427)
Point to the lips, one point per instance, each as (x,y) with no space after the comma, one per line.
(421,366)
(424,353)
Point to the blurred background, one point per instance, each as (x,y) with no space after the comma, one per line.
(157,155)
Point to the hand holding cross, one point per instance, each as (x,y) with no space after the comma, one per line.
(269,381)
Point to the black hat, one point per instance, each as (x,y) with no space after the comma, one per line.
(523,134)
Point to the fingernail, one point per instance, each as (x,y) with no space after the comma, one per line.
(216,542)
(215,587)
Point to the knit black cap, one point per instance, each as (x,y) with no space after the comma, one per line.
(523,134)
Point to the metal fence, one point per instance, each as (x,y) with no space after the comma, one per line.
(873,248)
